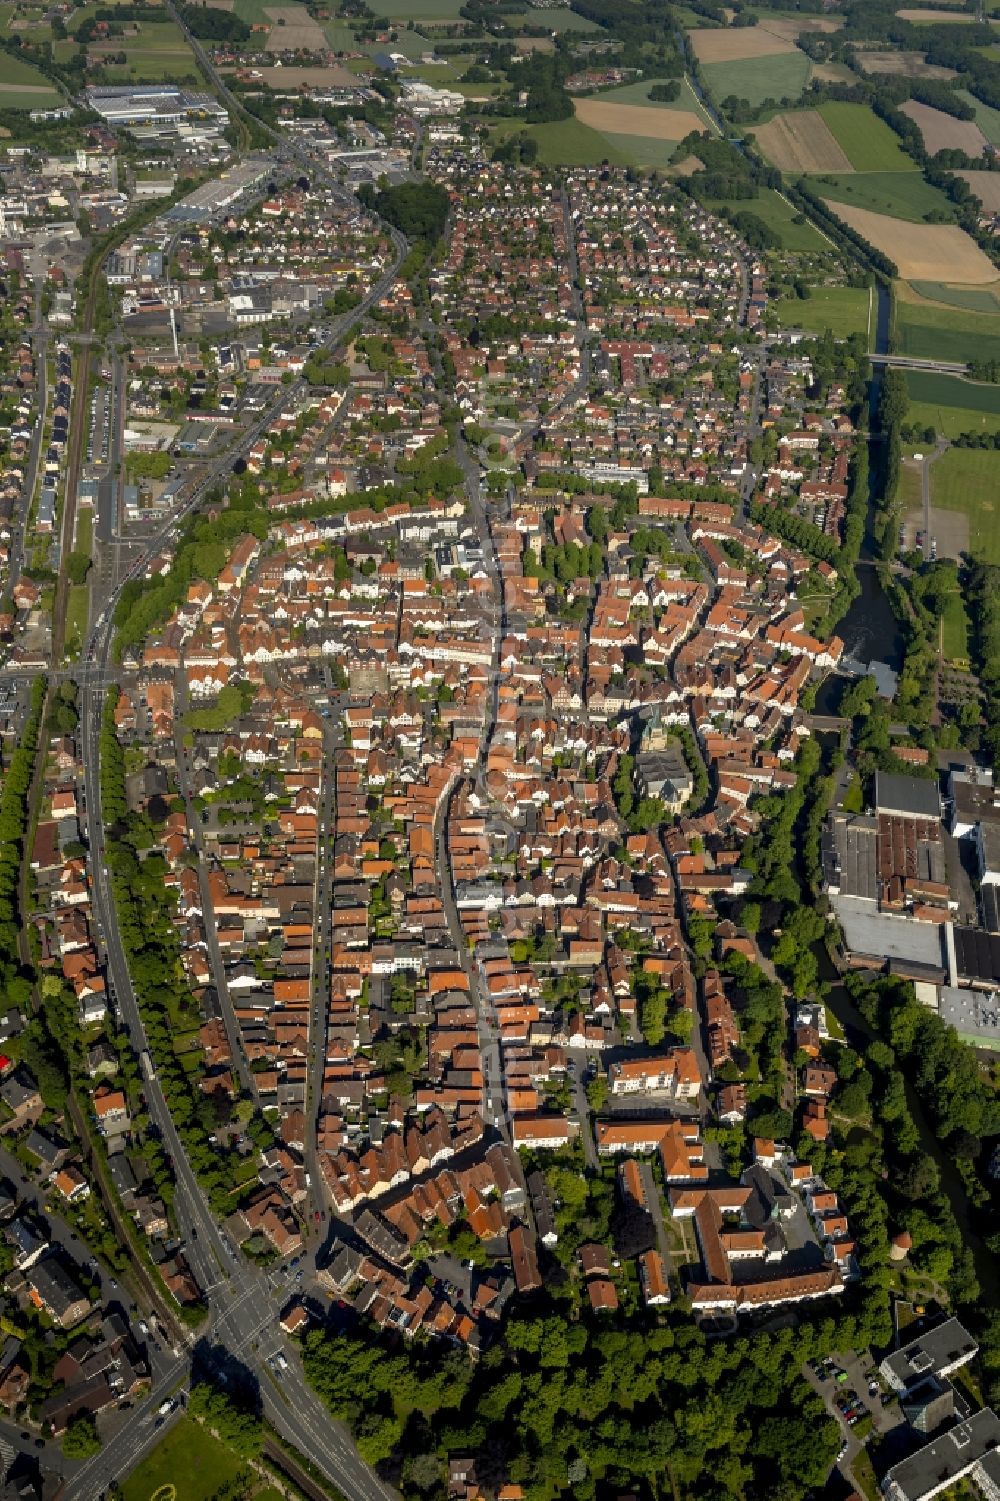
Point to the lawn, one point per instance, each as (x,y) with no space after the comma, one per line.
(191,1462)
(867,142)
(904,195)
(968,480)
(779,216)
(84,530)
(780,77)
(77,609)
(843,310)
(987,119)
(944,333)
(24,87)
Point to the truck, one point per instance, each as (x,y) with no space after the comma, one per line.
(146,1063)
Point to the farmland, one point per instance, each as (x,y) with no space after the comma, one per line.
(951,405)
(801,141)
(736,44)
(779,216)
(867,142)
(842,310)
(944,132)
(566,143)
(24,87)
(635,120)
(158,53)
(987,119)
(931,17)
(904,195)
(782,76)
(904,64)
(926,252)
(968,480)
(931,331)
(292,29)
(986,186)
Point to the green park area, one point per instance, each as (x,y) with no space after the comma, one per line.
(842,310)
(968,480)
(187,1465)
(866,141)
(951,405)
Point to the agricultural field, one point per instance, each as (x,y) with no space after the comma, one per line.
(666,124)
(944,132)
(842,310)
(951,405)
(556,18)
(987,119)
(931,17)
(159,53)
(293,29)
(932,331)
(986,186)
(904,195)
(905,64)
(188,1463)
(922,252)
(782,76)
(24,87)
(727,44)
(801,141)
(867,142)
(967,480)
(422,10)
(833,73)
(642,151)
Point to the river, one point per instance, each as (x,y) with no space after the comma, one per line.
(870,631)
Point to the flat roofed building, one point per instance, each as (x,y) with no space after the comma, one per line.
(969,1450)
(906,797)
(937,1351)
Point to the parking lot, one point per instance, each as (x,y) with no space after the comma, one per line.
(852,1390)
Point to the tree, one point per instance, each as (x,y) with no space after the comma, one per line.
(81,1439)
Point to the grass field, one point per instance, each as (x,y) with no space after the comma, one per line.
(944,333)
(159,53)
(190,1460)
(987,119)
(77,605)
(968,480)
(782,76)
(567,143)
(867,142)
(637,94)
(955,626)
(24,87)
(555,18)
(905,195)
(911,486)
(422,10)
(84,541)
(951,405)
(842,310)
(975,299)
(779,216)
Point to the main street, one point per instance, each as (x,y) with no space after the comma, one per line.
(244,1305)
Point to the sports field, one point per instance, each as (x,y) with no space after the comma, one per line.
(932,331)
(867,142)
(780,76)
(968,480)
(842,310)
(779,216)
(192,1464)
(951,405)
(904,195)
